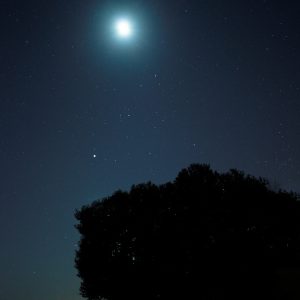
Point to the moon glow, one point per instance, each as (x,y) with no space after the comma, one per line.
(123,28)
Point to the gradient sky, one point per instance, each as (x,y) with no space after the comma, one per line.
(83,114)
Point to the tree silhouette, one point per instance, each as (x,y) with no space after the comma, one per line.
(204,236)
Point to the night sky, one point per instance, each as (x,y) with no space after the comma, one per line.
(84,113)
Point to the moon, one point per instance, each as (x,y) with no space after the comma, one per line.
(123,28)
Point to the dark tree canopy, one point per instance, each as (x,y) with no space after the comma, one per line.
(204,236)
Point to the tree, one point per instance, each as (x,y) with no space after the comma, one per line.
(204,236)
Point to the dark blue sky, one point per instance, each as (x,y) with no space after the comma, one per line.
(213,82)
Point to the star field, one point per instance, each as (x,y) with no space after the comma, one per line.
(83,114)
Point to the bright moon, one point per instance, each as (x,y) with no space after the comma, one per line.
(123,28)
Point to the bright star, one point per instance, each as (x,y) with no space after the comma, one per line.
(123,28)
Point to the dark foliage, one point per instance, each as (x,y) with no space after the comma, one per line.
(204,236)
